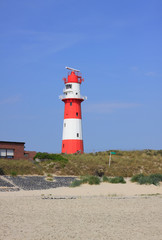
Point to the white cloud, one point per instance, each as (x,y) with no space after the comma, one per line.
(108,107)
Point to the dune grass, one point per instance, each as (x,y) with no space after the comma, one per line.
(150,179)
(113,179)
(124,163)
(19,167)
(76,183)
(51,163)
(94,180)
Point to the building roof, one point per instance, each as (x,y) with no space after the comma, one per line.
(12,142)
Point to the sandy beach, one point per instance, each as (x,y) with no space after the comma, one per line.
(106,211)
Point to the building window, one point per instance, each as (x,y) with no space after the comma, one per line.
(77,114)
(77,134)
(68,86)
(2,153)
(6,153)
(70,103)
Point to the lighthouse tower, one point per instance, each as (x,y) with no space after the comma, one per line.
(72,140)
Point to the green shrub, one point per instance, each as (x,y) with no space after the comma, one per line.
(117,180)
(13,173)
(157,176)
(50,161)
(51,156)
(49,175)
(105,179)
(113,180)
(91,180)
(50,179)
(136,178)
(151,179)
(76,183)
(86,179)
(94,180)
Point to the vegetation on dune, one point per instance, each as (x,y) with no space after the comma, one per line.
(151,179)
(76,183)
(96,180)
(50,156)
(92,180)
(51,163)
(114,179)
(18,167)
(13,173)
(123,163)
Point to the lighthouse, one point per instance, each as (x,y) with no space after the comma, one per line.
(72,139)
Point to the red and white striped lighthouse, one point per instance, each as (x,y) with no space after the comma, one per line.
(72,140)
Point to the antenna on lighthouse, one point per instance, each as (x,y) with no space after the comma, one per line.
(72,69)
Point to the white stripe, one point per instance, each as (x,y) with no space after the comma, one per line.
(73,92)
(72,129)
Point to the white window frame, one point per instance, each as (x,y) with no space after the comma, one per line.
(7,153)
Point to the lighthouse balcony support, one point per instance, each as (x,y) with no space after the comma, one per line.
(62,97)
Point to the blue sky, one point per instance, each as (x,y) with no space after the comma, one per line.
(116,44)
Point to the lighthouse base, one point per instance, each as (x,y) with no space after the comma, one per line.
(72,146)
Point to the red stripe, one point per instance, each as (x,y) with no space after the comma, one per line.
(72,146)
(72,108)
(73,78)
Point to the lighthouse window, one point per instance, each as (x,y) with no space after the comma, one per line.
(64,124)
(77,114)
(70,103)
(77,134)
(68,86)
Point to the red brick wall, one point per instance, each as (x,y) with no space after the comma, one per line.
(30,154)
(18,149)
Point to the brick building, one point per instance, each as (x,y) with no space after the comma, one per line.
(15,150)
